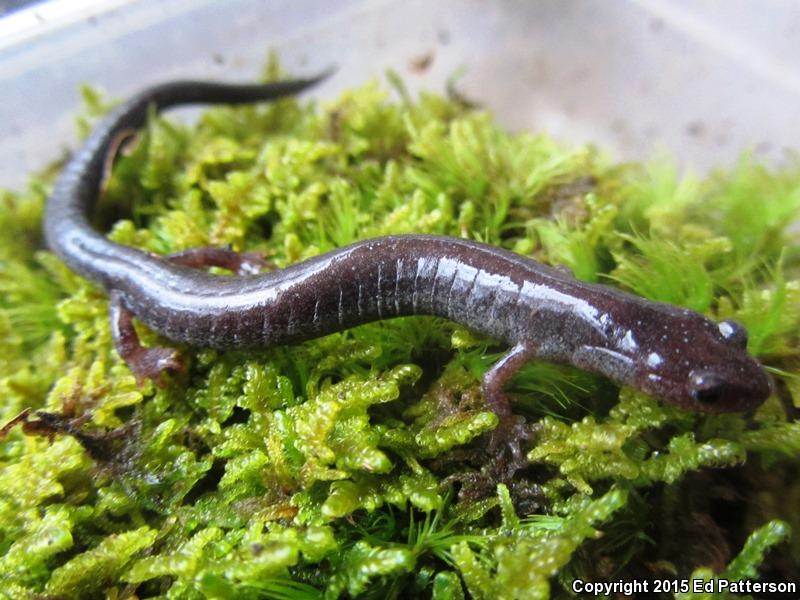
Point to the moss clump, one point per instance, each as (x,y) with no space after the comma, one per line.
(356,464)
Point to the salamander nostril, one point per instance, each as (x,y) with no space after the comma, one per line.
(707,388)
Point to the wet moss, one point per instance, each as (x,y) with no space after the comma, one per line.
(357,464)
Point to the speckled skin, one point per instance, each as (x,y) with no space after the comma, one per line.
(672,353)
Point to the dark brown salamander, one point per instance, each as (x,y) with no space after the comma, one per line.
(670,352)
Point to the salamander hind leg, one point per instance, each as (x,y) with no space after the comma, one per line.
(241,263)
(511,430)
(145,363)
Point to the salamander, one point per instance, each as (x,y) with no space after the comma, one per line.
(541,312)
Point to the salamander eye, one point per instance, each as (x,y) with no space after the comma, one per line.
(733,333)
(705,387)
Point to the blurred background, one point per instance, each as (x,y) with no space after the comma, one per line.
(702,80)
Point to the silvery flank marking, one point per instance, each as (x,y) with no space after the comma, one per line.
(398,268)
(454,268)
(435,282)
(468,292)
(500,285)
(559,301)
(629,343)
(426,268)
(517,299)
(415,287)
(461,288)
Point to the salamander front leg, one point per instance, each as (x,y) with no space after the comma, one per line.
(241,263)
(146,363)
(511,429)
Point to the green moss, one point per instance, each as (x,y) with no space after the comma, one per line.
(356,464)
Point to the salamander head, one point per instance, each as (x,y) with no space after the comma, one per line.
(706,367)
(686,359)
